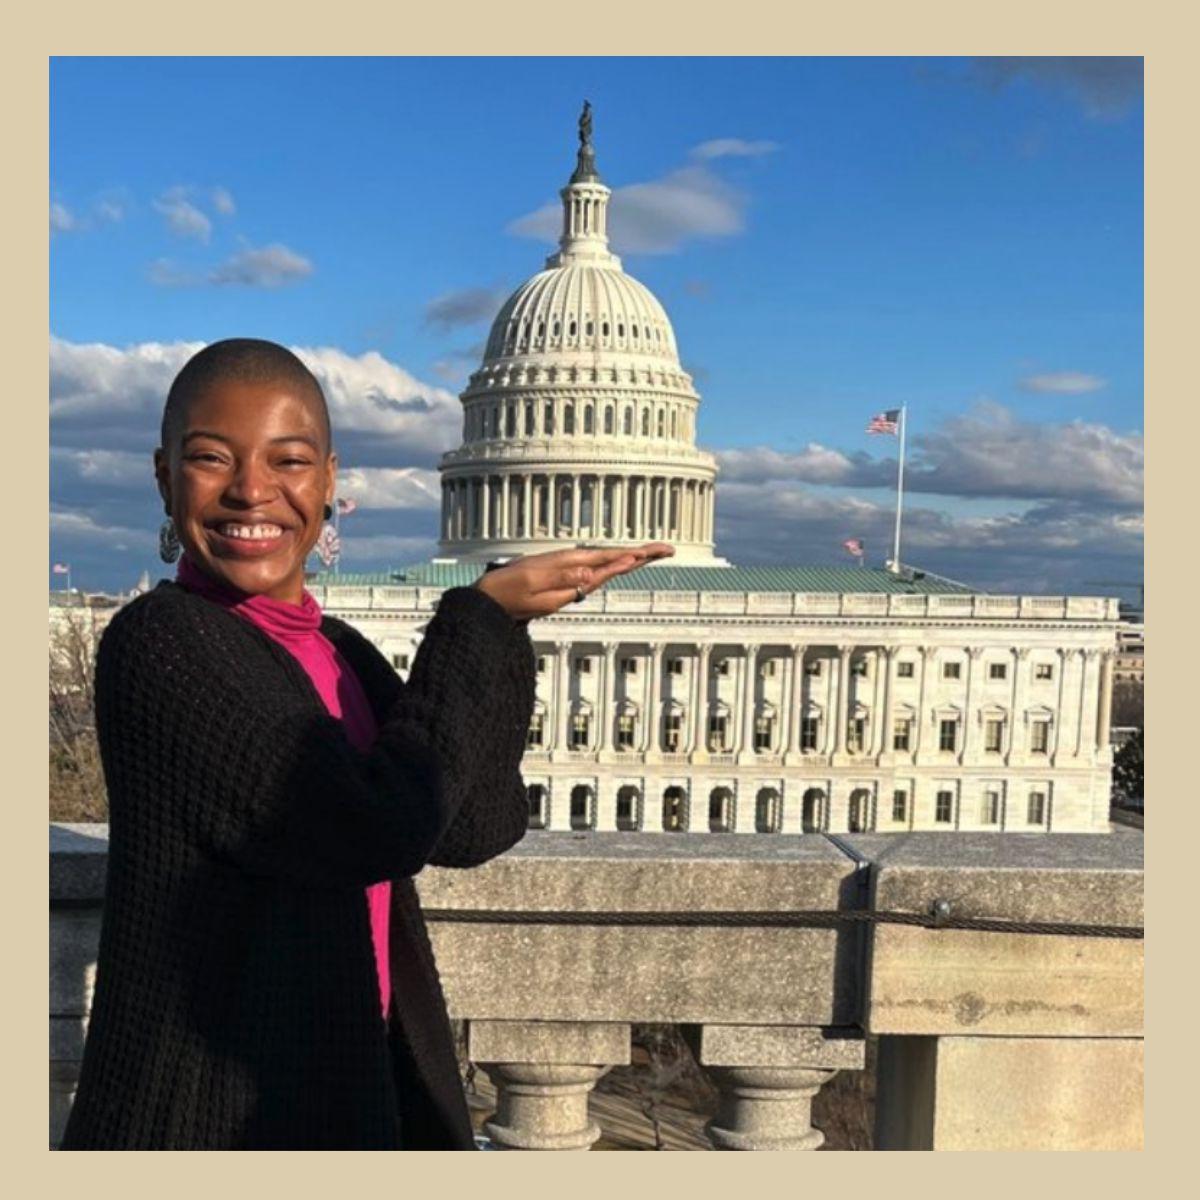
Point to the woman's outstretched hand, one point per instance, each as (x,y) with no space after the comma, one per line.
(536,585)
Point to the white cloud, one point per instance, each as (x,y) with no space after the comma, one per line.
(1106,87)
(183,218)
(222,201)
(71,525)
(266,266)
(1065,383)
(733,148)
(814,464)
(391,487)
(105,468)
(62,220)
(658,216)
(465,306)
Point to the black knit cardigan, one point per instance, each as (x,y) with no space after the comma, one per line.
(236,1004)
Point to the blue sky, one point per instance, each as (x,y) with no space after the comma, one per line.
(829,236)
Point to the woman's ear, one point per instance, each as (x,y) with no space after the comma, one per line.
(162,477)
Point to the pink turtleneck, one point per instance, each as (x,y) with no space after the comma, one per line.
(297,627)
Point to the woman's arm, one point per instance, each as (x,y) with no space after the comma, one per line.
(197,732)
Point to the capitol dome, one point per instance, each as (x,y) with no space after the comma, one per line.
(579,424)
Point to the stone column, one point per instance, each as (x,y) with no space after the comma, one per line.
(544,1072)
(886,660)
(767,1077)
(1088,701)
(485,511)
(749,687)
(1059,733)
(527,509)
(793,693)
(607,697)
(576,524)
(562,697)
(842,700)
(652,737)
(699,697)
(974,666)
(1104,729)
(928,665)
(1016,736)
(505,481)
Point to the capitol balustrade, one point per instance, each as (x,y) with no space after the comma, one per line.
(1007,1007)
(650,601)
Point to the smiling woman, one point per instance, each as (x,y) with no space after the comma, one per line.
(265,979)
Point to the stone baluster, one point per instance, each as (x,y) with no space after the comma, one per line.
(767,1077)
(544,1072)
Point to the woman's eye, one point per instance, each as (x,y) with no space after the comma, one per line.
(204,456)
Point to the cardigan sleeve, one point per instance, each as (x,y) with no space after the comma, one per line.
(494,814)
(200,741)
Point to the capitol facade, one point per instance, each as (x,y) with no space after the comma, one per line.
(699,695)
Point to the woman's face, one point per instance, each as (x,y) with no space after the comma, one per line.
(246,483)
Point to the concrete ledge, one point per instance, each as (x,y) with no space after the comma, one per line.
(776,1046)
(549,1042)
(78,861)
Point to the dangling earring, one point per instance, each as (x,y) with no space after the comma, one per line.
(328,511)
(168,541)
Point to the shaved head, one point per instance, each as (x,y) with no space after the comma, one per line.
(239,360)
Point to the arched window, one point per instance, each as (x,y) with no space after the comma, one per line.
(548,417)
(529,418)
(608,418)
(860,810)
(510,421)
(557,328)
(645,422)
(628,423)
(674,812)
(720,810)
(587,420)
(634,331)
(588,329)
(569,419)
(766,811)
(628,816)
(661,419)
(620,329)
(539,814)
(604,329)
(672,422)
(581,807)
(812,813)
(572,328)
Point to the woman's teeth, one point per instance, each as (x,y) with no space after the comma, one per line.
(250,532)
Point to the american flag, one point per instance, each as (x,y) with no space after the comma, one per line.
(329,545)
(856,546)
(885,422)
(345,506)
(61,568)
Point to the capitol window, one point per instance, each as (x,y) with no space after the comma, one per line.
(948,735)
(899,805)
(856,735)
(810,733)
(572,329)
(989,808)
(993,735)
(583,665)
(536,725)
(608,419)
(579,731)
(588,329)
(673,729)
(587,419)
(1039,737)
(904,670)
(858,667)
(400,662)
(1043,671)
(762,733)
(548,417)
(951,670)
(635,331)
(557,328)
(997,670)
(629,666)
(812,667)
(901,731)
(1036,814)
(674,666)
(625,732)
(627,814)
(536,794)
(717,725)
(661,417)
(944,811)
(645,422)
(529,419)
(628,426)
(604,329)
(541,664)
(620,330)
(569,419)
(721,666)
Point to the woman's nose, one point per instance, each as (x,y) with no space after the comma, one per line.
(251,483)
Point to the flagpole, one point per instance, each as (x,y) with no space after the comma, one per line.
(900,488)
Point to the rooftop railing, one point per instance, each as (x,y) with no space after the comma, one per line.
(1001,975)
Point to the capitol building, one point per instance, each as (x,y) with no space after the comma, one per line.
(696,694)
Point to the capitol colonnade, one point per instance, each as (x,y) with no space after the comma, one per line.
(517,506)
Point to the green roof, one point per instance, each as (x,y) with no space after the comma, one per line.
(660,577)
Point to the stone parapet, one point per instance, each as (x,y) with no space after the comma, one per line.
(552,951)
